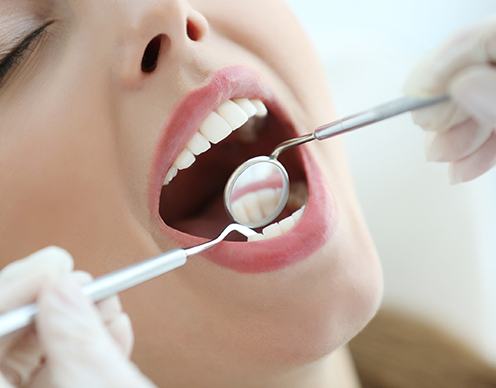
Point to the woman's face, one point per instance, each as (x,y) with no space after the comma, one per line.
(99,109)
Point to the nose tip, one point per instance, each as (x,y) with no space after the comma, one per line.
(159,30)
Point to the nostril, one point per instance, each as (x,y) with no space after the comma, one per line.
(151,55)
(194,32)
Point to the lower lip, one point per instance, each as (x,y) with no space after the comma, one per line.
(314,229)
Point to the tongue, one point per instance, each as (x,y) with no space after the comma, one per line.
(209,223)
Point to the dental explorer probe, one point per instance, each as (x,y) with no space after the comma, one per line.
(359,120)
(252,172)
(123,279)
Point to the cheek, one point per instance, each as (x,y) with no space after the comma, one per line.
(60,184)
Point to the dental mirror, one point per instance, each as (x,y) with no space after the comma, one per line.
(258,191)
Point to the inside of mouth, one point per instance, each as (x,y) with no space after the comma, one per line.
(193,202)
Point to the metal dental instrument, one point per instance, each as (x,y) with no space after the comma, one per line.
(123,279)
(267,177)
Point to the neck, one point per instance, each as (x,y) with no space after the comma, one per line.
(334,371)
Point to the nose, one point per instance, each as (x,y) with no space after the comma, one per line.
(152,30)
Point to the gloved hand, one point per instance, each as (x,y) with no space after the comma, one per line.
(75,344)
(463,130)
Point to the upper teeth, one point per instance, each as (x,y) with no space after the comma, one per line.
(228,117)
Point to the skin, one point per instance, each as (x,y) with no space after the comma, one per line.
(80,123)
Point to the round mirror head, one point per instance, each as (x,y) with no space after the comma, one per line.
(257,192)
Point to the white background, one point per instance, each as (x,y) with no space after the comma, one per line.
(437,242)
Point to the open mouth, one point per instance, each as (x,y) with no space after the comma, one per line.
(213,131)
(235,132)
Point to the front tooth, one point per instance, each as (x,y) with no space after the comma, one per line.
(170,175)
(198,144)
(268,200)
(287,224)
(272,231)
(253,211)
(233,114)
(261,108)
(215,128)
(185,160)
(247,106)
(256,237)
(239,212)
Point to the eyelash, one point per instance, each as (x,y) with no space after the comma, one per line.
(17,57)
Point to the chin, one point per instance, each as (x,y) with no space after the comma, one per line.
(347,304)
(334,295)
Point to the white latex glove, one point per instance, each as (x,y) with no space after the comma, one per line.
(463,130)
(75,344)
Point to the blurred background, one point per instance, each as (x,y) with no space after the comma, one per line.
(437,242)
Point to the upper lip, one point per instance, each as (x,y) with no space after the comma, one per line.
(231,83)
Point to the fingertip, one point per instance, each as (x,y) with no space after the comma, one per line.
(424,81)
(121,330)
(53,259)
(455,177)
(417,85)
(54,251)
(432,147)
(64,297)
(439,118)
(429,139)
(475,90)
(433,154)
(109,308)
(476,164)
(81,278)
(55,256)
(65,314)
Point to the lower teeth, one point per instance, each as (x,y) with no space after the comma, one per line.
(279,228)
(254,207)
